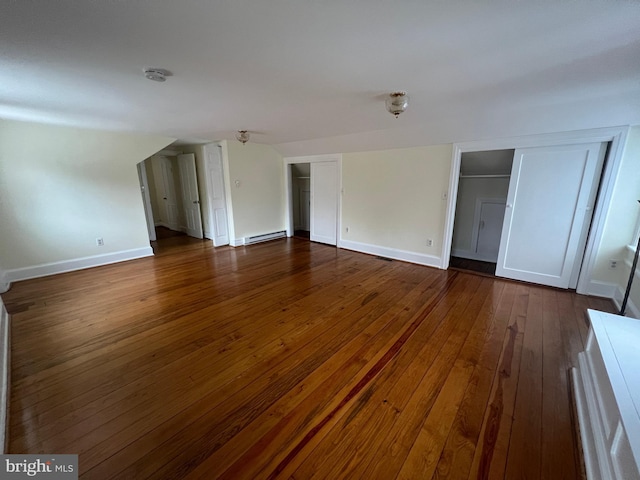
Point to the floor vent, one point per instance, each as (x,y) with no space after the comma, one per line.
(264,237)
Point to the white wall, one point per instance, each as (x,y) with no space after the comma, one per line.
(256,204)
(62,188)
(469,190)
(393,199)
(621,222)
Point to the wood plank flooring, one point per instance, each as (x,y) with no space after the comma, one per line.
(291,359)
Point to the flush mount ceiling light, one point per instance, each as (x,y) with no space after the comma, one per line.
(397,102)
(157,74)
(242,136)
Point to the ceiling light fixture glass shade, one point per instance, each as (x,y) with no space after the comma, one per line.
(242,136)
(157,74)
(397,102)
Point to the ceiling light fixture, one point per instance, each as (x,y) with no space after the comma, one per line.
(157,74)
(397,103)
(242,136)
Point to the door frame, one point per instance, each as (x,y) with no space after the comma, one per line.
(616,135)
(146,200)
(289,189)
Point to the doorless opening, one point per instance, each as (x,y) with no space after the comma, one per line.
(482,193)
(301,199)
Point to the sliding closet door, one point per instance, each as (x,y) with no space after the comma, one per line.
(324,202)
(548,213)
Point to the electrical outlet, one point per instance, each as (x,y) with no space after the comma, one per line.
(429,242)
(613,263)
(99,242)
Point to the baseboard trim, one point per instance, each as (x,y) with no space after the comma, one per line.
(396,254)
(601,289)
(54,268)
(5,332)
(631,310)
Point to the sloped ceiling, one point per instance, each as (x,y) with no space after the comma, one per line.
(311,76)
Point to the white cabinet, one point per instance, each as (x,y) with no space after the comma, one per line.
(607,393)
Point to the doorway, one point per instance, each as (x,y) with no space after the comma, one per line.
(584,251)
(481,200)
(313,197)
(301,199)
(172,194)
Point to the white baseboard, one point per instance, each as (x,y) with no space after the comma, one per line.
(406,256)
(4,373)
(208,234)
(614,292)
(631,310)
(237,242)
(455,252)
(54,268)
(601,289)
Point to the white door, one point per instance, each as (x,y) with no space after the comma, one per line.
(190,196)
(166,190)
(549,207)
(489,230)
(324,202)
(216,193)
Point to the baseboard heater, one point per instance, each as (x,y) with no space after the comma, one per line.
(264,237)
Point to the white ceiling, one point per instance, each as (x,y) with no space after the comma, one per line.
(310,76)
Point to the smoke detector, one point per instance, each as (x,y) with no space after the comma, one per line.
(157,74)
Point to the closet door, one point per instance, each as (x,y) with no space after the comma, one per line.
(190,194)
(218,222)
(548,213)
(324,202)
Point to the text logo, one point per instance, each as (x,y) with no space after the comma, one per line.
(50,467)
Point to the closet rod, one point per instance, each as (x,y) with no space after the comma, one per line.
(485,176)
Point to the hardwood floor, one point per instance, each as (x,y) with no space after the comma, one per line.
(292,359)
(458,263)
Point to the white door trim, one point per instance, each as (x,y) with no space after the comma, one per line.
(148,212)
(337,157)
(616,135)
